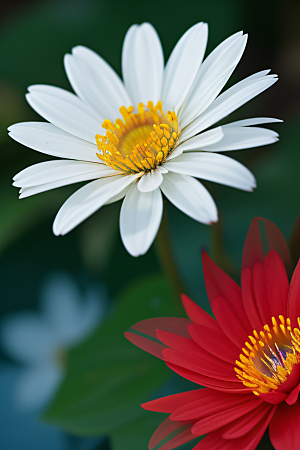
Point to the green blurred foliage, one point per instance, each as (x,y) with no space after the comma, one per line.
(34,37)
(107,377)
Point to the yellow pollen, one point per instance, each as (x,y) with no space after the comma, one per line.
(141,142)
(269,359)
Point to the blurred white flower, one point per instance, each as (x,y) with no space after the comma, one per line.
(40,341)
(155,136)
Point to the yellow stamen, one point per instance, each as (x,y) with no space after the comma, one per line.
(272,355)
(141,142)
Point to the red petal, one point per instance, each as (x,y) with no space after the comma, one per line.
(249,300)
(263,236)
(285,427)
(210,403)
(190,347)
(249,441)
(173,324)
(145,344)
(214,342)
(197,314)
(196,365)
(244,424)
(269,290)
(220,385)
(168,428)
(292,380)
(277,284)
(273,397)
(294,297)
(172,402)
(260,293)
(226,301)
(148,328)
(222,418)
(293,395)
(178,440)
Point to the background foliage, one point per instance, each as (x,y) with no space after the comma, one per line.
(107,378)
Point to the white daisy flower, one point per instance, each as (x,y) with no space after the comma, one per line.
(155,135)
(41,341)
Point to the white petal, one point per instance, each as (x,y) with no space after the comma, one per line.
(202,140)
(62,170)
(66,111)
(140,219)
(88,200)
(213,167)
(176,152)
(27,338)
(95,82)
(68,316)
(212,77)
(118,196)
(229,101)
(142,64)
(27,191)
(236,138)
(253,121)
(66,96)
(183,65)
(150,181)
(190,196)
(47,138)
(37,385)
(162,169)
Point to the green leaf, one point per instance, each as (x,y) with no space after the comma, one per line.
(107,377)
(137,434)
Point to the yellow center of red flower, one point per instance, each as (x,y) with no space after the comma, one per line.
(269,357)
(141,141)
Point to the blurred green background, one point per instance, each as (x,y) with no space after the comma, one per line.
(34,37)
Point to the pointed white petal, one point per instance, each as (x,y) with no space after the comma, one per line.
(162,169)
(229,101)
(190,196)
(140,219)
(253,121)
(237,138)
(57,174)
(95,82)
(212,77)
(202,140)
(88,200)
(66,111)
(27,338)
(176,152)
(37,385)
(142,64)
(183,65)
(61,170)
(150,181)
(213,167)
(118,196)
(51,140)
(67,96)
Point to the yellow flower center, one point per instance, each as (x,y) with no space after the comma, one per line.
(141,142)
(270,356)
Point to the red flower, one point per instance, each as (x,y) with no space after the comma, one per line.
(252,378)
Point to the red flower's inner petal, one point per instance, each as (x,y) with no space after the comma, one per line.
(294,296)
(263,236)
(285,427)
(268,360)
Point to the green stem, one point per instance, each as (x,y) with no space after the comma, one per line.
(166,257)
